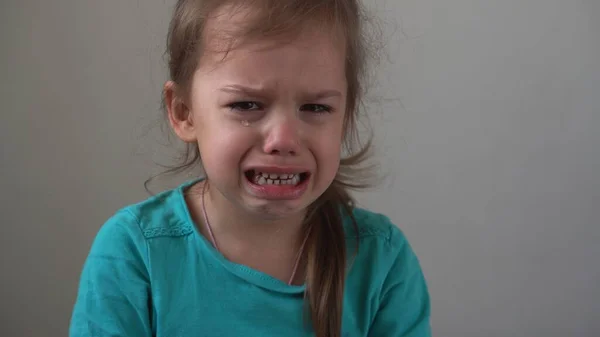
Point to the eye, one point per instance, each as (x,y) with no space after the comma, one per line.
(244,106)
(316,108)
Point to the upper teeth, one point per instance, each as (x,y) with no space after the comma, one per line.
(275,176)
(263,178)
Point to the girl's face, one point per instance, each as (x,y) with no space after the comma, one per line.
(268,119)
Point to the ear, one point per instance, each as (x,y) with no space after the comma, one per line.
(178,113)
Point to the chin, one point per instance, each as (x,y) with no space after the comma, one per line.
(273,212)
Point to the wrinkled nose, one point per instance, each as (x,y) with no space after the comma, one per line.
(283,137)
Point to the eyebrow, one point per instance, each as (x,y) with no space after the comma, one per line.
(258,92)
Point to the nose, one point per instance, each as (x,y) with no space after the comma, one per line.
(283,137)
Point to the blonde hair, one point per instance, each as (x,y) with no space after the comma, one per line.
(326,248)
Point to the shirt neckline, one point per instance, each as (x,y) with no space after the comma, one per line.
(245,272)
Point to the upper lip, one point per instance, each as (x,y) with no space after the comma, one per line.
(278,169)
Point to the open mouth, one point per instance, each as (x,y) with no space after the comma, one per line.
(286,179)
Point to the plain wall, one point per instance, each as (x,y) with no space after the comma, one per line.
(487,128)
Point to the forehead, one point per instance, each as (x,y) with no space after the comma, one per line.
(308,50)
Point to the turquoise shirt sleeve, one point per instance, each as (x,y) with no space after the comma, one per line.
(114,291)
(404,310)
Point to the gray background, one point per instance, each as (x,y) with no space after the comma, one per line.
(487,125)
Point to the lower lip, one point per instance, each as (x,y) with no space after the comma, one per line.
(278,192)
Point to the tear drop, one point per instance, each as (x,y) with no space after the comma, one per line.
(245,123)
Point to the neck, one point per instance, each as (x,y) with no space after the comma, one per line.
(243,230)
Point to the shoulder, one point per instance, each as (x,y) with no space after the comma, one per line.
(126,234)
(164,214)
(378,247)
(372,227)
(385,270)
(131,227)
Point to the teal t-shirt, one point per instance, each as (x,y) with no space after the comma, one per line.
(151,273)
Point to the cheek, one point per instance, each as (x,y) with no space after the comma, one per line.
(223,148)
(330,145)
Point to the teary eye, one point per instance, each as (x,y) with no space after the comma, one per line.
(244,106)
(317,108)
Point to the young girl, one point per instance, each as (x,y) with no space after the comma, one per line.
(268,242)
